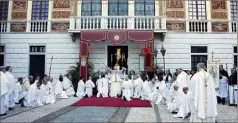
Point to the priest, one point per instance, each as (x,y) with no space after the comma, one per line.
(146,89)
(173,103)
(205,101)
(58,88)
(4,86)
(21,92)
(12,92)
(81,88)
(126,89)
(138,87)
(68,86)
(27,82)
(115,82)
(33,97)
(89,85)
(51,97)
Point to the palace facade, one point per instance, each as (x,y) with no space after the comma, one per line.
(35,33)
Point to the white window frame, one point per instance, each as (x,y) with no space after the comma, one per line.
(197,11)
(190,55)
(233,13)
(36,53)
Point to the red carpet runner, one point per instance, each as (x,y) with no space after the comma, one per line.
(112,102)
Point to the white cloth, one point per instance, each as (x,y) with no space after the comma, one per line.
(12,92)
(80,89)
(26,84)
(102,85)
(155,93)
(146,90)
(44,93)
(132,89)
(89,85)
(205,101)
(138,87)
(68,86)
(126,90)
(4,86)
(59,92)
(233,94)
(223,88)
(115,82)
(4,103)
(184,106)
(163,93)
(169,82)
(182,80)
(33,97)
(21,92)
(173,103)
(51,97)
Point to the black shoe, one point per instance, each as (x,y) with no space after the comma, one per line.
(235,105)
(10,108)
(231,104)
(17,103)
(124,98)
(100,96)
(174,112)
(86,96)
(3,114)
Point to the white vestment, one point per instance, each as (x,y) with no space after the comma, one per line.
(223,88)
(102,85)
(51,97)
(182,80)
(155,92)
(26,84)
(132,89)
(89,85)
(184,106)
(33,97)
(173,104)
(115,88)
(146,90)
(138,87)
(205,101)
(44,93)
(233,94)
(80,89)
(59,92)
(21,92)
(163,93)
(126,90)
(169,82)
(4,86)
(68,86)
(12,92)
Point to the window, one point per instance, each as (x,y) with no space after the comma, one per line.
(144,8)
(40,10)
(91,8)
(235,55)
(199,54)
(234,10)
(38,49)
(197,9)
(2,50)
(117,7)
(4,10)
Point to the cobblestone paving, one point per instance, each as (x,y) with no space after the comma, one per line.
(37,113)
(225,114)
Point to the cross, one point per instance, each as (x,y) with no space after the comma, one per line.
(212,55)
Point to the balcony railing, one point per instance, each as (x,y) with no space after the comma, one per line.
(77,24)
(117,22)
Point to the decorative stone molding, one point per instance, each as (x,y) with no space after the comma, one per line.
(59,27)
(219,15)
(61,4)
(219,27)
(60,14)
(175,14)
(176,26)
(18,27)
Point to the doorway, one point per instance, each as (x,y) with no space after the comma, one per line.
(117,54)
(37,65)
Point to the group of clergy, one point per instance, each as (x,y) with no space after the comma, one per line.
(30,93)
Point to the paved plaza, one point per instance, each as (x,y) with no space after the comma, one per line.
(62,111)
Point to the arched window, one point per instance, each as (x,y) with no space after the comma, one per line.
(40,10)
(91,8)
(118,7)
(3,10)
(144,7)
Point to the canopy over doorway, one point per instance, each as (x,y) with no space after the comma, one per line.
(116,37)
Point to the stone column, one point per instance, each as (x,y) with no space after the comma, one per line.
(131,14)
(9,18)
(208,11)
(187,15)
(50,15)
(29,13)
(104,14)
(228,3)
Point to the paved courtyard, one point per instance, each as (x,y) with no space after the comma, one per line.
(61,111)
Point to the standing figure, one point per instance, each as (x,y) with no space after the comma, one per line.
(168,78)
(115,82)
(204,96)
(233,87)
(12,92)
(223,90)
(89,85)
(126,89)
(4,86)
(138,87)
(21,92)
(146,89)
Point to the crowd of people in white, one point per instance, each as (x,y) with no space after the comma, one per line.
(187,95)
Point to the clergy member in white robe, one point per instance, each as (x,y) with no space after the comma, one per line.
(21,92)
(138,87)
(146,89)
(27,83)
(173,104)
(33,97)
(4,86)
(105,86)
(115,83)
(223,89)
(155,90)
(126,89)
(205,101)
(68,86)
(51,97)
(163,92)
(44,91)
(81,88)
(58,88)
(131,80)
(12,92)
(89,85)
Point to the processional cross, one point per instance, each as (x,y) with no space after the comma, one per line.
(212,55)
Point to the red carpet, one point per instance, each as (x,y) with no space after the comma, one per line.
(112,102)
